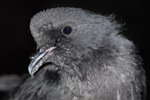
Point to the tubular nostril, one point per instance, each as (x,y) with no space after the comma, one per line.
(33,55)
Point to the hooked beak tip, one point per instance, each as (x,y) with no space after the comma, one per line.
(38,61)
(30,71)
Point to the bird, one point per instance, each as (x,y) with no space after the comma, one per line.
(81,55)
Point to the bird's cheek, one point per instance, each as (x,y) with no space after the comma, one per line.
(54,59)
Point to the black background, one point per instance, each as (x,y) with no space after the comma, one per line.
(16,42)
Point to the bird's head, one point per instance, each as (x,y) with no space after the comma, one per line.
(67,35)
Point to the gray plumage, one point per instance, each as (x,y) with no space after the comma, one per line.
(81,56)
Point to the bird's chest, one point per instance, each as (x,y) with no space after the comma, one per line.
(76,89)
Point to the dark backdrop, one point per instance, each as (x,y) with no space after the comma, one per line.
(16,42)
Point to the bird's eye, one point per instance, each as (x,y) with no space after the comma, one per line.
(67,30)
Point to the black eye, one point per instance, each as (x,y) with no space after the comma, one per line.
(67,30)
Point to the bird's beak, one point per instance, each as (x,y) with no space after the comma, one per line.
(39,60)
